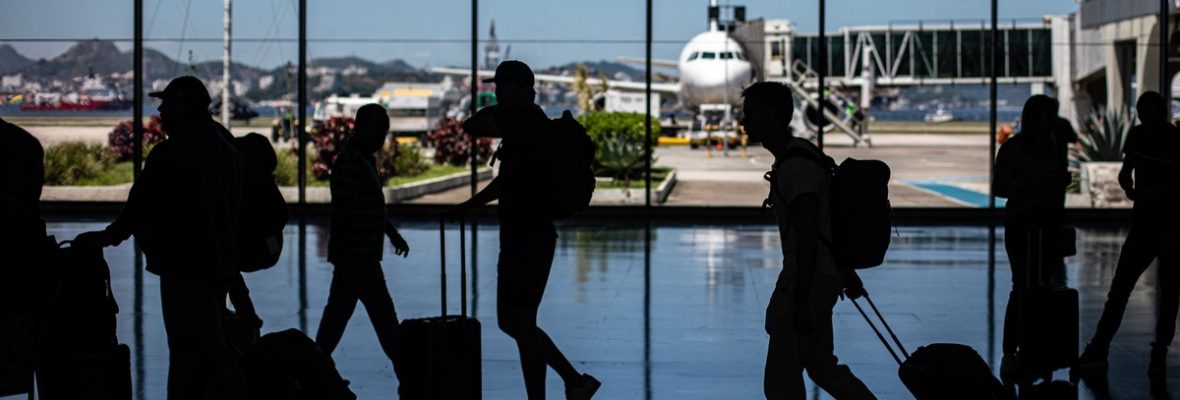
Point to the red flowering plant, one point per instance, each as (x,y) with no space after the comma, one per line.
(122,138)
(453,146)
(327,137)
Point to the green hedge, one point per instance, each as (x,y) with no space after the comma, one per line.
(615,136)
(75,163)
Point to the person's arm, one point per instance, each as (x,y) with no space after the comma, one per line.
(1127,176)
(483,123)
(400,246)
(1002,183)
(139,200)
(485,196)
(803,220)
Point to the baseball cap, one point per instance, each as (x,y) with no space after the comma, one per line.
(186,89)
(512,71)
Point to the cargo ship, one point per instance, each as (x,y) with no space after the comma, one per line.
(94,95)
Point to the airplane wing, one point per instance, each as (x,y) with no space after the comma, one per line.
(654,62)
(658,87)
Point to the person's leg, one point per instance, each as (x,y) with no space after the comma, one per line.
(201,365)
(239,296)
(342,298)
(818,351)
(542,266)
(1136,256)
(379,305)
(182,376)
(520,323)
(1016,245)
(226,380)
(783,375)
(1168,300)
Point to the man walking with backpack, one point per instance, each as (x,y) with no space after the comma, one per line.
(799,316)
(527,234)
(356,244)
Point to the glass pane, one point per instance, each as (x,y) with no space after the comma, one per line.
(67,80)
(189,39)
(414,60)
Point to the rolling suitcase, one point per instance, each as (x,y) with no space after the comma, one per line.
(1048,334)
(78,354)
(441,355)
(941,370)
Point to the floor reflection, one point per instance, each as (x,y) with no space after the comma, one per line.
(674,311)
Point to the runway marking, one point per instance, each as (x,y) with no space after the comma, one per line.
(945,188)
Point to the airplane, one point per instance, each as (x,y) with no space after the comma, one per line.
(712,67)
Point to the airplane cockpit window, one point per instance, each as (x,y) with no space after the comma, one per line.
(727,55)
(708,55)
(693,56)
(740,56)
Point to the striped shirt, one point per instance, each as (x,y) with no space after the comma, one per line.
(358,208)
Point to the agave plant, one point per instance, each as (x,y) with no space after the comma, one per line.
(1105,132)
(620,158)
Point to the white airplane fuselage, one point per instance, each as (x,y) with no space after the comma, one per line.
(713,70)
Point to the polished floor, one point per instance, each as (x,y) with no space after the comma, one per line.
(676,317)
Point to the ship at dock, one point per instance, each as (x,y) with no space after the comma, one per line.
(95,94)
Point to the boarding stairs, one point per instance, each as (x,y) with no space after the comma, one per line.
(801,72)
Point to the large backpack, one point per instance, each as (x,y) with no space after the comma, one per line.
(573,167)
(861,216)
(263,212)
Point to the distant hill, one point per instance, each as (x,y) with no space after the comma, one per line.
(102,57)
(609,68)
(10,60)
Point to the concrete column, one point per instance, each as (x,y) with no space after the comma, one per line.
(1148,56)
(1114,79)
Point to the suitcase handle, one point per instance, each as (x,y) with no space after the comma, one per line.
(878,331)
(442,248)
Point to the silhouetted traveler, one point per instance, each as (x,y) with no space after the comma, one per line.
(1031,173)
(356,244)
(799,316)
(527,234)
(22,240)
(184,209)
(1150,167)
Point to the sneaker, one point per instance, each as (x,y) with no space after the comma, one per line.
(585,390)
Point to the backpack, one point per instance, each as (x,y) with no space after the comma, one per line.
(861,216)
(571,166)
(263,212)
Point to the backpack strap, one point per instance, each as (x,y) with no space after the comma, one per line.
(824,162)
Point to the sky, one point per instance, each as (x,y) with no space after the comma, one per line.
(437,32)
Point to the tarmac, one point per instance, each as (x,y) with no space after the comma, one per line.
(929,169)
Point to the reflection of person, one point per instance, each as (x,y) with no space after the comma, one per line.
(1031,173)
(22,233)
(183,209)
(527,236)
(356,244)
(799,316)
(1148,176)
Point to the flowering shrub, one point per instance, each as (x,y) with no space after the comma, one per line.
(453,146)
(328,136)
(122,138)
